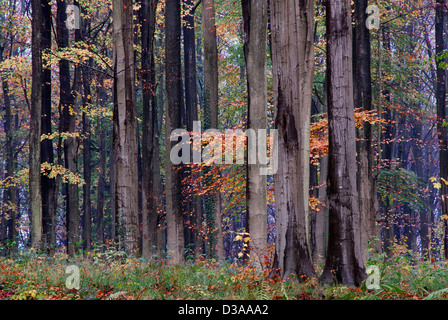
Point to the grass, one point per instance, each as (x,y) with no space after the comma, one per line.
(111,275)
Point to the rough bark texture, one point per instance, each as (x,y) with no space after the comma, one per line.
(149,205)
(368,202)
(174,217)
(124,134)
(255,30)
(35,126)
(344,259)
(293,68)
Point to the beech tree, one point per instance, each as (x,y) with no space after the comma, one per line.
(442,130)
(173,87)
(149,148)
(255,30)
(124,133)
(368,202)
(292,65)
(35,126)
(344,258)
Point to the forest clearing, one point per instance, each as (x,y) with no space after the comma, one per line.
(223,150)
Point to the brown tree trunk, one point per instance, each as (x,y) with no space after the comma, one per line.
(191,111)
(48,185)
(149,204)
(255,28)
(441,118)
(124,134)
(293,67)
(368,202)
(173,87)
(344,259)
(35,126)
(212,201)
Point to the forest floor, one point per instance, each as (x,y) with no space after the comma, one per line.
(111,276)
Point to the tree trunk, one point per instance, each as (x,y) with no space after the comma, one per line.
(48,185)
(293,68)
(191,110)
(441,118)
(344,259)
(368,202)
(149,205)
(87,156)
(35,126)
(255,29)
(10,203)
(212,211)
(124,135)
(173,87)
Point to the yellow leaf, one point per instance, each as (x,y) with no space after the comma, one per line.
(437,185)
(238,238)
(240,254)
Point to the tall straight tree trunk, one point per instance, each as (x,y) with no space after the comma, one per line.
(344,259)
(368,202)
(124,133)
(255,28)
(68,109)
(441,118)
(212,201)
(173,87)
(10,193)
(321,232)
(99,219)
(48,185)
(35,126)
(87,156)
(149,205)
(191,110)
(293,69)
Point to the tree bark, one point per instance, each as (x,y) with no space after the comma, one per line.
(293,67)
(173,87)
(191,110)
(149,204)
(368,202)
(124,134)
(441,118)
(212,201)
(255,30)
(48,185)
(35,126)
(344,259)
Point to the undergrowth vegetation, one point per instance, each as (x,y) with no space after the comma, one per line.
(112,275)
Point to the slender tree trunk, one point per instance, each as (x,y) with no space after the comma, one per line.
(212,212)
(48,185)
(368,202)
(87,156)
(149,205)
(191,110)
(124,135)
(293,67)
(344,259)
(173,87)
(10,192)
(441,118)
(35,126)
(101,183)
(255,29)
